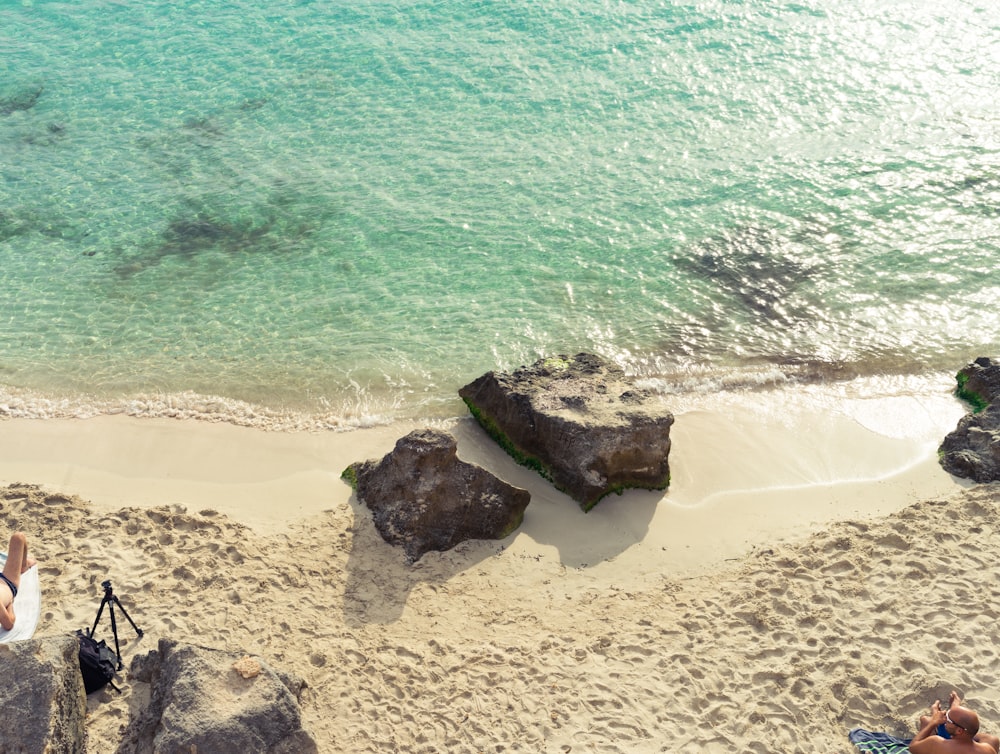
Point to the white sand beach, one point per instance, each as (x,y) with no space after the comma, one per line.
(809,570)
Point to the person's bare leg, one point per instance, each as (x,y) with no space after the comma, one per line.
(27,561)
(18,560)
(986,738)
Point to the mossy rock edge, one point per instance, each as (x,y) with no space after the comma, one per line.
(974,399)
(505,442)
(350,475)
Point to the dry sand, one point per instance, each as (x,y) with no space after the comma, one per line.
(803,575)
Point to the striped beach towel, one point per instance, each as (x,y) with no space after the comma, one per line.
(878,743)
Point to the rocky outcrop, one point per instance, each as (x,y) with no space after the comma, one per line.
(972,450)
(979,383)
(579,422)
(42,697)
(200,700)
(423,497)
(207,700)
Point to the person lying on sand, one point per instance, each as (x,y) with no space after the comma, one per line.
(17,563)
(955,729)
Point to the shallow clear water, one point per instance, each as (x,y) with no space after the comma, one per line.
(354,211)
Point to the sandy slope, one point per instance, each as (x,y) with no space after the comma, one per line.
(481,649)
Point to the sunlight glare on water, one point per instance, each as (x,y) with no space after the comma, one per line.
(356,210)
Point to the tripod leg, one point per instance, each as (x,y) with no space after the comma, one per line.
(127,616)
(98,618)
(114,632)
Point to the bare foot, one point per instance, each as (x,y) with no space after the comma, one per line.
(28,562)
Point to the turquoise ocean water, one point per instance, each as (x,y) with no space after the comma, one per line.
(351,210)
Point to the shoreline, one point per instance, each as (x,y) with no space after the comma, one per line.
(749,470)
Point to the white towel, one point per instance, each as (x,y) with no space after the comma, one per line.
(27,605)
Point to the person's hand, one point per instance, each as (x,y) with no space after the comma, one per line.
(937,714)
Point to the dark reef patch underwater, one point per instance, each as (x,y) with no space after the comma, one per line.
(19,95)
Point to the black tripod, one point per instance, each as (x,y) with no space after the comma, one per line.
(111,600)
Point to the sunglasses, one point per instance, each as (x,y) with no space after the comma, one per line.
(947,717)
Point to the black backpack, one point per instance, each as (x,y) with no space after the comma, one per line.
(97,663)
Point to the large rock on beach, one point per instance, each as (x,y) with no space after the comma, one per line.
(972,450)
(579,422)
(423,497)
(42,696)
(207,700)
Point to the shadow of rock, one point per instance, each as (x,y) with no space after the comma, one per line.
(555,519)
(379,579)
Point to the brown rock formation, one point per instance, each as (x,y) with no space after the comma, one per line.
(579,422)
(423,497)
(209,700)
(972,450)
(42,695)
